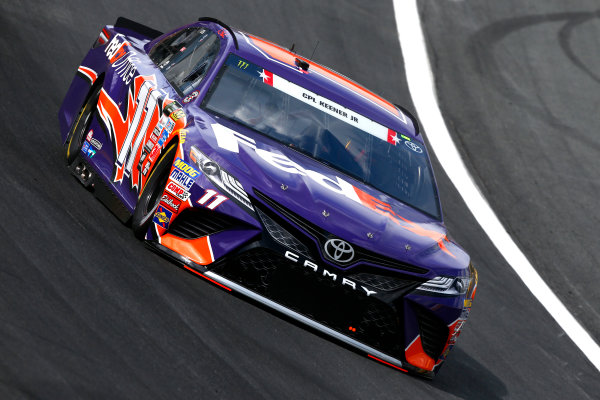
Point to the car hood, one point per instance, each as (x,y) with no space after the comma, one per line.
(337,203)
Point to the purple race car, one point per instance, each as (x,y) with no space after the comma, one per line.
(273,177)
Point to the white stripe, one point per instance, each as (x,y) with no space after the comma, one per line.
(422,89)
(328,106)
(212,256)
(411,343)
(225,138)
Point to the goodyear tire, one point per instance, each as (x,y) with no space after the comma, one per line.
(151,194)
(81,125)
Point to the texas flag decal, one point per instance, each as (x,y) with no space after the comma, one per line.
(393,137)
(267,77)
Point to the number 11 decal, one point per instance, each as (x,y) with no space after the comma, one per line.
(216,199)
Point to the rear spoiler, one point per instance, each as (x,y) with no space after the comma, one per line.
(126,23)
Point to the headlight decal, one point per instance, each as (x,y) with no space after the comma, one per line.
(446,285)
(221,178)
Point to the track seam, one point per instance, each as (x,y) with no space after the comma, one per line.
(421,86)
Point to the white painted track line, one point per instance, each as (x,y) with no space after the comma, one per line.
(422,90)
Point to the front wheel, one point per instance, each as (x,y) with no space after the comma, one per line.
(80,126)
(151,194)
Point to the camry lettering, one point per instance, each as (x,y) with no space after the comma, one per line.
(334,277)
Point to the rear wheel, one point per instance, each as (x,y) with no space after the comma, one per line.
(81,125)
(151,194)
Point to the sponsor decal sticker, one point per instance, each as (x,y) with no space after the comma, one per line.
(146,168)
(170,202)
(162,217)
(85,147)
(177,115)
(163,138)
(184,174)
(169,125)
(154,153)
(96,143)
(181,178)
(172,106)
(191,96)
(185,167)
(149,147)
(90,135)
(177,191)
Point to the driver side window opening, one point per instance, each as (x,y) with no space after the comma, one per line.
(185,57)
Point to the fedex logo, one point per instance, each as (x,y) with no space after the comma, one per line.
(231,142)
(123,61)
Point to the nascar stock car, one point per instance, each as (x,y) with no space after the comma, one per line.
(273,177)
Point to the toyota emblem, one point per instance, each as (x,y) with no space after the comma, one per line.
(339,250)
(413,146)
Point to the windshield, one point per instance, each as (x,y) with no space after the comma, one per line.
(329,132)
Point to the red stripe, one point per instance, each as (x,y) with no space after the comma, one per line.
(206,277)
(89,73)
(387,363)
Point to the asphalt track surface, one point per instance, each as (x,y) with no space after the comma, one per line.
(86,311)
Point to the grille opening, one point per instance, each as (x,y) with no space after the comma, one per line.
(434,332)
(384,283)
(361,255)
(318,297)
(193,223)
(282,235)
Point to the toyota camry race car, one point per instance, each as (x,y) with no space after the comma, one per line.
(273,177)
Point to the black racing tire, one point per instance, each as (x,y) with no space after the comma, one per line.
(80,126)
(151,194)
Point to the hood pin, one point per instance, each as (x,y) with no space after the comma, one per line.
(284,186)
(370,235)
(325,213)
(407,247)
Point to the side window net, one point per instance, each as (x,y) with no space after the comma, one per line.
(185,57)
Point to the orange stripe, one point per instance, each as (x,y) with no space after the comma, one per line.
(416,356)
(288,57)
(385,209)
(197,250)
